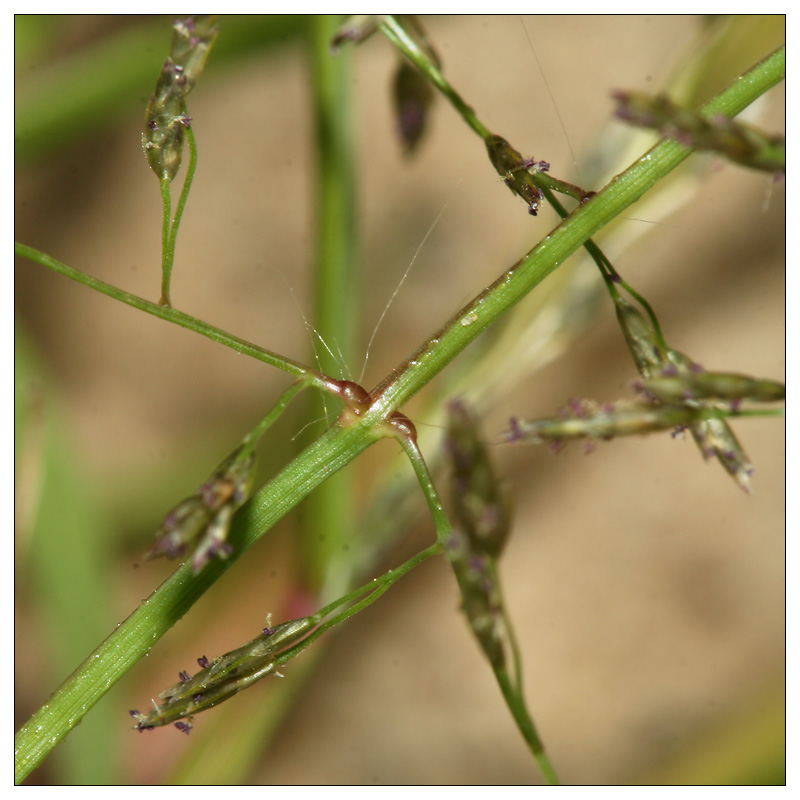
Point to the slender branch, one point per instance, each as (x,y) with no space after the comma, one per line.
(166,256)
(172,227)
(176,317)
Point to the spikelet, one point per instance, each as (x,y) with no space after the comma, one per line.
(587,419)
(166,118)
(648,353)
(222,677)
(482,503)
(412,96)
(674,386)
(206,516)
(515,171)
(743,144)
(483,511)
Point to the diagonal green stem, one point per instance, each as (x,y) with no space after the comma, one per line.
(340,444)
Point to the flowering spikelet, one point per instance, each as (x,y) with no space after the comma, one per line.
(192,40)
(648,354)
(482,503)
(165,122)
(741,143)
(676,387)
(413,96)
(222,677)
(587,419)
(683,396)
(412,92)
(714,437)
(673,386)
(516,172)
(207,515)
(483,511)
(166,119)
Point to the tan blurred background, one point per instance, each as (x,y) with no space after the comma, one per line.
(647,589)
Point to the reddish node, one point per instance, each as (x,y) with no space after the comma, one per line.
(355,397)
(402,426)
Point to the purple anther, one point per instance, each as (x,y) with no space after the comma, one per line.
(544,166)
(515,430)
(197,698)
(412,121)
(203,662)
(184,676)
(207,494)
(135,714)
(578,408)
(173,550)
(268,631)
(153,125)
(183,727)
(453,541)
(477,564)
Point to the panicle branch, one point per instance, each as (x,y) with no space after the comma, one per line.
(744,144)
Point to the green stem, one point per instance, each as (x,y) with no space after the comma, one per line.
(329,520)
(374,590)
(166,257)
(519,710)
(340,444)
(187,321)
(170,228)
(610,274)
(440,518)
(252,438)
